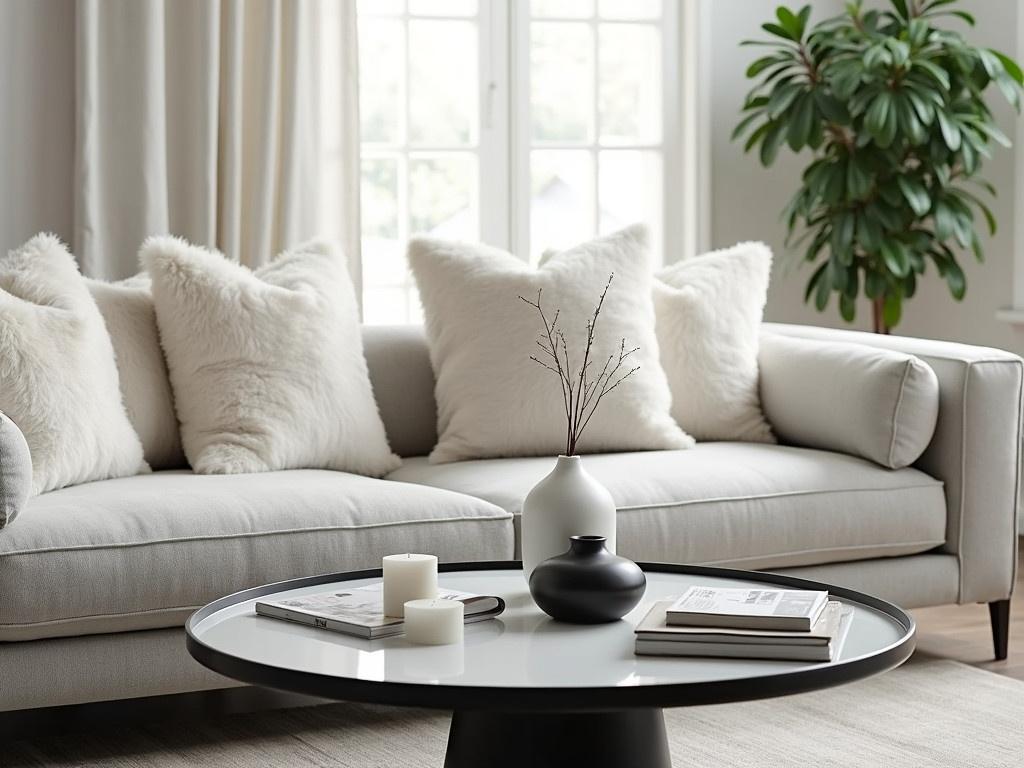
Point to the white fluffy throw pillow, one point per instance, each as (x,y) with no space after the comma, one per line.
(267,366)
(127,309)
(709,311)
(58,379)
(492,399)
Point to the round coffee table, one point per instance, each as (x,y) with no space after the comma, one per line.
(527,690)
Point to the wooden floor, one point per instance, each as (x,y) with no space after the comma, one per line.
(963,633)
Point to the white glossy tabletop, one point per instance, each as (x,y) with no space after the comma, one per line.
(521,648)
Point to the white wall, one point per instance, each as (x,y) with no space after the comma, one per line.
(37,129)
(747,199)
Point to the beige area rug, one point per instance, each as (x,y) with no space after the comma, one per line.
(933,713)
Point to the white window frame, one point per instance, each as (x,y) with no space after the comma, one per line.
(683,230)
(504,129)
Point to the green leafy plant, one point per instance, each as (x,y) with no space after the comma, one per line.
(893,108)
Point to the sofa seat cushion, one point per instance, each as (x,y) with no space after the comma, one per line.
(144,552)
(741,504)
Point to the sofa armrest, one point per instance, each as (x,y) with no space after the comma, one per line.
(975,450)
(15,471)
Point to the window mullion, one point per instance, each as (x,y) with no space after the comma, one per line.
(518,23)
(595,139)
(494,189)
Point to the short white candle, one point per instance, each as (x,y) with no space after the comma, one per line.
(434,622)
(408,577)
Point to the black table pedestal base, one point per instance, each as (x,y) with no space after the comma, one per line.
(634,738)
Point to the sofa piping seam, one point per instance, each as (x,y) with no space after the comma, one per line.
(896,410)
(826,550)
(249,534)
(89,616)
(779,495)
(963,485)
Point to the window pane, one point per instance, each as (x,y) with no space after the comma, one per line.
(442,196)
(565,9)
(384,262)
(631,190)
(442,7)
(381,65)
(379,192)
(442,82)
(384,306)
(561,81)
(380,7)
(630,84)
(561,199)
(629,9)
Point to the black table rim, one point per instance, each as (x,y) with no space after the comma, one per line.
(556,699)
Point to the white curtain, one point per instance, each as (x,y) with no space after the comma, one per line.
(232,123)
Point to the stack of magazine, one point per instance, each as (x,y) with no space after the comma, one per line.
(792,625)
(360,611)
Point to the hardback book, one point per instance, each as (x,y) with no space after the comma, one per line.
(783,609)
(823,642)
(360,611)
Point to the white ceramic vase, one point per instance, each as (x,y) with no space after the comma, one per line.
(568,502)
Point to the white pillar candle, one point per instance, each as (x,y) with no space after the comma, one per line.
(433,622)
(408,577)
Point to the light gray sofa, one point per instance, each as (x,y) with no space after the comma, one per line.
(96,580)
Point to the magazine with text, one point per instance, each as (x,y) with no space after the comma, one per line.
(359,611)
(785,609)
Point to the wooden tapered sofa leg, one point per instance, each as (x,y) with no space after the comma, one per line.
(999,613)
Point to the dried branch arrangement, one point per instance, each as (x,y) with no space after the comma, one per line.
(582,392)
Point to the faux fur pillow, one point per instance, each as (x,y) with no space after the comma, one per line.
(709,311)
(492,399)
(127,309)
(58,380)
(267,366)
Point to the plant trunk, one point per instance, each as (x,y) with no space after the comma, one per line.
(878,315)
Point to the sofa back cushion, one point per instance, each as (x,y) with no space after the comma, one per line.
(127,309)
(398,360)
(493,399)
(709,311)
(58,379)
(875,403)
(267,366)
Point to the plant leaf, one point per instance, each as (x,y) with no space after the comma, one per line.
(877,114)
(938,74)
(847,308)
(858,179)
(1012,68)
(895,257)
(757,135)
(742,125)
(944,223)
(892,310)
(781,98)
(775,29)
(772,140)
(950,131)
(824,287)
(812,284)
(789,22)
(874,285)
(915,194)
(760,65)
(800,122)
(955,279)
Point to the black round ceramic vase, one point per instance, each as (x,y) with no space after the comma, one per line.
(587,584)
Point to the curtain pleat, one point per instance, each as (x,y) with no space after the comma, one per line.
(205,119)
